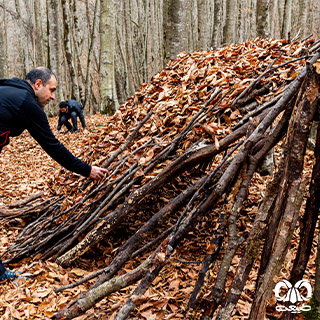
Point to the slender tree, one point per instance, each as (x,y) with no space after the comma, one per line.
(3,61)
(108,96)
(76,40)
(90,56)
(175,27)
(216,39)
(54,44)
(286,23)
(40,56)
(203,25)
(75,94)
(23,44)
(230,22)
(262,18)
(303,14)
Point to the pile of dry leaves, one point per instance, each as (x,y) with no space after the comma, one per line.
(166,106)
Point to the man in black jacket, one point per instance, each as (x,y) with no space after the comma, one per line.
(21,107)
(71,109)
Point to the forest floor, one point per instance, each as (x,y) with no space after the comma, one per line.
(25,169)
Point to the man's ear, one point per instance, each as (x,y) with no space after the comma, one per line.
(38,84)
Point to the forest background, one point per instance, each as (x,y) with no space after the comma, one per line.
(103,50)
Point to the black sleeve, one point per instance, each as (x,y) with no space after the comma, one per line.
(59,122)
(38,126)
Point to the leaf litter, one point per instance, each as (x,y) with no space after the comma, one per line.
(174,95)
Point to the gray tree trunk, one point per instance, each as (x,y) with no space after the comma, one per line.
(108,96)
(302,18)
(23,45)
(90,56)
(54,49)
(262,18)
(76,41)
(175,27)
(75,94)
(40,56)
(230,22)
(203,25)
(274,19)
(217,17)
(3,62)
(286,23)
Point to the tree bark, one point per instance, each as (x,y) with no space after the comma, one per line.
(23,45)
(229,28)
(40,56)
(217,17)
(54,56)
(175,27)
(3,61)
(108,95)
(286,23)
(75,94)
(203,25)
(303,14)
(262,18)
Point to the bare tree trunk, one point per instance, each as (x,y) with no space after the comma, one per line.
(175,27)
(54,57)
(75,94)
(90,56)
(203,25)
(3,62)
(274,18)
(108,97)
(286,23)
(217,17)
(303,14)
(262,18)
(24,45)
(76,45)
(230,22)
(40,57)
(5,41)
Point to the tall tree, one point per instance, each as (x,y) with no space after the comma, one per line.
(76,37)
(303,14)
(217,18)
(40,57)
(90,55)
(54,40)
(274,18)
(3,62)
(262,18)
(203,25)
(286,23)
(75,94)
(23,44)
(175,27)
(230,22)
(108,96)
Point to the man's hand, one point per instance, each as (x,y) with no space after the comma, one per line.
(97,173)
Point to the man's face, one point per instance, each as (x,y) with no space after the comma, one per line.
(45,93)
(63,110)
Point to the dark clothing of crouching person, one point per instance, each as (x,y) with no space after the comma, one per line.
(71,109)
